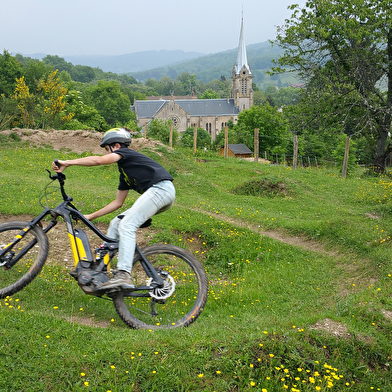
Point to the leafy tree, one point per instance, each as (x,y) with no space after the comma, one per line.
(209,94)
(160,130)
(185,84)
(203,138)
(33,71)
(273,129)
(342,49)
(10,70)
(83,116)
(259,98)
(8,111)
(58,63)
(110,101)
(51,101)
(25,102)
(287,96)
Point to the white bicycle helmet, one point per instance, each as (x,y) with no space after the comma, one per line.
(116,135)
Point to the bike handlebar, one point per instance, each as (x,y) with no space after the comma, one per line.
(61,178)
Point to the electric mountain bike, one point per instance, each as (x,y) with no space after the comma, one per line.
(171,286)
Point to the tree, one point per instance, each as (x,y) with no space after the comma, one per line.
(110,101)
(83,116)
(203,138)
(272,127)
(160,130)
(186,83)
(10,70)
(342,49)
(209,94)
(25,102)
(51,92)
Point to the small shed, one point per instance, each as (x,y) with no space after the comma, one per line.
(237,151)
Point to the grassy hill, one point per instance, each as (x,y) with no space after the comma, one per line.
(300,283)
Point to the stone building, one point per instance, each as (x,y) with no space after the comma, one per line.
(209,114)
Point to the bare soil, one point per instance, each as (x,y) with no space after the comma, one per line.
(76,141)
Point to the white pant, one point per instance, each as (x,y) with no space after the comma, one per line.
(160,197)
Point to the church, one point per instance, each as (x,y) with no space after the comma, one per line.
(209,114)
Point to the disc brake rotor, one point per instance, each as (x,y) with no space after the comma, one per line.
(162,292)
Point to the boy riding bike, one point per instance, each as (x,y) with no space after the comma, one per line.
(137,172)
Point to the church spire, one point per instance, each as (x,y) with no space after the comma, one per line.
(241,57)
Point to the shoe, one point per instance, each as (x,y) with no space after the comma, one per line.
(147,223)
(122,280)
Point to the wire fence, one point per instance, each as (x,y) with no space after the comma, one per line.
(302,161)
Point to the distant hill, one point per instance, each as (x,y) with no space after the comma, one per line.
(213,66)
(155,64)
(125,63)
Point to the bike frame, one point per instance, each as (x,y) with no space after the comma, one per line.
(80,246)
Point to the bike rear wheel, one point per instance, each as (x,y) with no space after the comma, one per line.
(15,278)
(186,276)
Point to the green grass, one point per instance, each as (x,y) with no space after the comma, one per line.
(257,331)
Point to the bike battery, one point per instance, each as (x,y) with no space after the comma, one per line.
(80,246)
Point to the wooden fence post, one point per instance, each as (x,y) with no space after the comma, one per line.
(345,161)
(226,148)
(256,152)
(194,139)
(171,135)
(295,155)
(145,130)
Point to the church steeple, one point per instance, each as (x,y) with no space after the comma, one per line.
(241,56)
(242,90)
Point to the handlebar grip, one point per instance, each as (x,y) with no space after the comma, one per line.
(56,162)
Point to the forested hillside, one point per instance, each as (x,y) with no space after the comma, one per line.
(172,63)
(214,66)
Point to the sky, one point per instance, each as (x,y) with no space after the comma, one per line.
(115,27)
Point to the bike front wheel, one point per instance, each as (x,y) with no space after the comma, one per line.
(32,251)
(178,303)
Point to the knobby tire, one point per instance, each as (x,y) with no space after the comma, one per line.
(182,307)
(28,267)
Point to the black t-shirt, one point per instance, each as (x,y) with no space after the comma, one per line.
(139,172)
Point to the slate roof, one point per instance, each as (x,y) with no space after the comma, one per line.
(239,149)
(194,107)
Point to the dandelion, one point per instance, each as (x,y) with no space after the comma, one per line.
(218,372)
(201,375)
(82,374)
(252,383)
(112,366)
(271,355)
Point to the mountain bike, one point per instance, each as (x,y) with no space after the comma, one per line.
(171,285)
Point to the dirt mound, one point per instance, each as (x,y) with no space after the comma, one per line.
(76,141)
